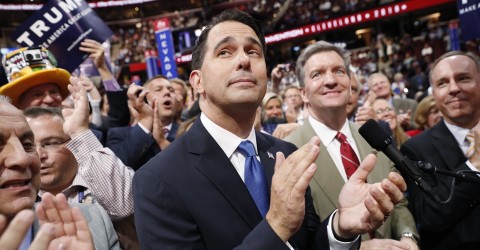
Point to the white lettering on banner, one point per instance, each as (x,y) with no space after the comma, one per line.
(58,16)
(166,63)
(467,9)
(39,27)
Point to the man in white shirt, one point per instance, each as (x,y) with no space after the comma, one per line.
(326,87)
(455,81)
(196,193)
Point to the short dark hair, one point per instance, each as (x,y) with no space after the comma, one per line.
(199,50)
(34,112)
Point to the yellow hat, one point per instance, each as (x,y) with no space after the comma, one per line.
(30,67)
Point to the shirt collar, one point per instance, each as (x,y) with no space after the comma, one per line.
(78,182)
(458,132)
(226,139)
(326,134)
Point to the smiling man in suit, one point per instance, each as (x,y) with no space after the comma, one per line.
(455,81)
(205,192)
(325,81)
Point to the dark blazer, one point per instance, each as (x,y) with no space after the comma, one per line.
(454,225)
(191,197)
(133,146)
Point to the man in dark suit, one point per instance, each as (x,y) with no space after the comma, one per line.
(193,195)
(455,81)
(155,103)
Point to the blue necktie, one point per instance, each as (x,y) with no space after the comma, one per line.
(255,178)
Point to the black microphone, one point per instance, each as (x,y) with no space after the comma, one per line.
(378,139)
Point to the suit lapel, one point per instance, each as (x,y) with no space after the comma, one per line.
(364,149)
(217,168)
(267,157)
(447,146)
(327,176)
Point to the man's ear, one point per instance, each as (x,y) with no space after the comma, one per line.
(303,95)
(196,81)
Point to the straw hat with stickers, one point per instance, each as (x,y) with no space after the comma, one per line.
(31,73)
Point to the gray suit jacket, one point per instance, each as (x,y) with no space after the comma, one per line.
(327,183)
(103,233)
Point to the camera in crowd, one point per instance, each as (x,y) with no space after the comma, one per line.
(32,55)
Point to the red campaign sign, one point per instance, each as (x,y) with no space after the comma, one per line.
(161,24)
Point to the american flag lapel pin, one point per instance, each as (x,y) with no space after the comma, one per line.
(270,155)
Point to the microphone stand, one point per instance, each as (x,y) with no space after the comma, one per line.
(429,168)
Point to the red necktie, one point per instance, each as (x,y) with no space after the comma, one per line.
(349,158)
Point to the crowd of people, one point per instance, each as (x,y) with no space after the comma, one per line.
(233,159)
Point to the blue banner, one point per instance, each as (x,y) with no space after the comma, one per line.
(469,16)
(166,49)
(151,60)
(60,26)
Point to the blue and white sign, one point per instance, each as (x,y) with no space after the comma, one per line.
(60,26)
(166,49)
(469,16)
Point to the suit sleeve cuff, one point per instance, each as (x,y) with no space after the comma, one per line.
(337,243)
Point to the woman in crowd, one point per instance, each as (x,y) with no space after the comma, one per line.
(426,116)
(272,113)
(386,112)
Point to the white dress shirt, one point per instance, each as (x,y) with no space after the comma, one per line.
(327,136)
(460,135)
(229,142)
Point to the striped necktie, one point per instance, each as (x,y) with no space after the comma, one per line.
(349,158)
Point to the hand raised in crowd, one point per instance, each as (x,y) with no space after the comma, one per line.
(371,97)
(403,118)
(289,184)
(76,119)
(276,77)
(137,100)
(363,207)
(364,114)
(157,130)
(96,51)
(70,227)
(90,88)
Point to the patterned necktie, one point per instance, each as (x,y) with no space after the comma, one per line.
(349,158)
(255,178)
(165,132)
(470,138)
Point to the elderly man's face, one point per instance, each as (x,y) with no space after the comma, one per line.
(43,95)
(19,162)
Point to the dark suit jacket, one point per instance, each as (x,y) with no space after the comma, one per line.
(133,146)
(454,225)
(191,197)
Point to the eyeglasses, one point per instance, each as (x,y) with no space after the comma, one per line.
(52,144)
(381,111)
